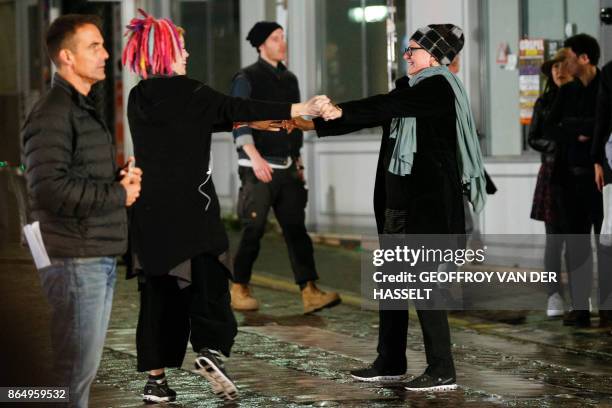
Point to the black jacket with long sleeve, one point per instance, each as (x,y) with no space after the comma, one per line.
(71,174)
(603,121)
(171,120)
(432,193)
(573,115)
(538,137)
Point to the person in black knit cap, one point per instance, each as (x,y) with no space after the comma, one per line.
(272,175)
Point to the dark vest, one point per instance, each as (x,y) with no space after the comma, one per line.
(276,85)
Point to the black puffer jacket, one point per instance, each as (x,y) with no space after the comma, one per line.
(71,176)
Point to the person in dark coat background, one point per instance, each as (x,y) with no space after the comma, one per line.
(603,180)
(176,231)
(571,121)
(545,197)
(429,154)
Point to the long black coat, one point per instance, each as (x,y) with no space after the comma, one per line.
(432,193)
(171,120)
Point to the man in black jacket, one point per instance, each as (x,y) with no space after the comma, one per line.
(79,195)
(572,118)
(272,175)
(603,180)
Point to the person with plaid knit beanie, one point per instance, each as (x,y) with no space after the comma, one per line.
(429,155)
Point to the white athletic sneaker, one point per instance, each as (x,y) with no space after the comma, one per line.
(556,306)
(210,366)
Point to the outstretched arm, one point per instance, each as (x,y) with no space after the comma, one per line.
(224,109)
(430,98)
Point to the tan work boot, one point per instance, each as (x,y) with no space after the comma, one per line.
(315,299)
(242,299)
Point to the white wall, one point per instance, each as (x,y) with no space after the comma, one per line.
(225,170)
(546,19)
(585,15)
(343,170)
(508,211)
(251,11)
(504,130)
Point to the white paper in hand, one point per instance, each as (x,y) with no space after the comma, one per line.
(37,247)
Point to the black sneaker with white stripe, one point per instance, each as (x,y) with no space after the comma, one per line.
(210,366)
(425,382)
(372,374)
(158,391)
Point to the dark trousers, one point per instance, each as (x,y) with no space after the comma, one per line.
(287,195)
(392,339)
(581,211)
(168,315)
(393,325)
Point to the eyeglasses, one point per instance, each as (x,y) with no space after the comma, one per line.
(410,50)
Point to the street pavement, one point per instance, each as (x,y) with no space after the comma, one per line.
(283,358)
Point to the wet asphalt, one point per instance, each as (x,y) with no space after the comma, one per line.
(283,358)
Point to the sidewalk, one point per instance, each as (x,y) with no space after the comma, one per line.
(285,359)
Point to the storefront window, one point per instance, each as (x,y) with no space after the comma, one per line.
(212,35)
(352,52)
(548,22)
(510,79)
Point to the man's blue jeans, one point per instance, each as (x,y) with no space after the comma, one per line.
(80,293)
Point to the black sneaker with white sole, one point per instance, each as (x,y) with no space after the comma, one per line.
(425,382)
(372,374)
(158,391)
(210,366)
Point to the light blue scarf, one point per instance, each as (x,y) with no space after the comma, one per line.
(470,156)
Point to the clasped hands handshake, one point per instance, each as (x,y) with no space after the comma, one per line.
(317,106)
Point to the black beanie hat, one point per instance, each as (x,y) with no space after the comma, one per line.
(261,31)
(443,41)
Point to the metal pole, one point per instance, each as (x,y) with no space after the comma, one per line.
(391,44)
(364,53)
(128,11)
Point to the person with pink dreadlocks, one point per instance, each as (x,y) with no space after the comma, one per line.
(177,236)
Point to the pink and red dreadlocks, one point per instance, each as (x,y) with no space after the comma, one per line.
(152,45)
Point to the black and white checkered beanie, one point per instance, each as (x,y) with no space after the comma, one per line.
(443,41)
